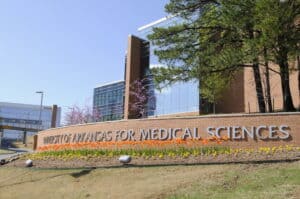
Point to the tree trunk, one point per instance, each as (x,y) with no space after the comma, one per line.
(298,59)
(257,78)
(199,100)
(267,76)
(285,81)
(258,87)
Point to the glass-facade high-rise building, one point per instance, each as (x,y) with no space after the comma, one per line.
(108,100)
(181,97)
(25,116)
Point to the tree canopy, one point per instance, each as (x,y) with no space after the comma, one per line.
(214,39)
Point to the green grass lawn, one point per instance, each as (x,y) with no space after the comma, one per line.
(279,180)
(258,181)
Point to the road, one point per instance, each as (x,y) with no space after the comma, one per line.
(16,151)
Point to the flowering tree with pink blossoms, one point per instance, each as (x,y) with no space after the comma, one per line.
(143,97)
(78,115)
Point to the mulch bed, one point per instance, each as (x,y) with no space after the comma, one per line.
(105,162)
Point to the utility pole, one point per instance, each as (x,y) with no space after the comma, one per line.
(40,115)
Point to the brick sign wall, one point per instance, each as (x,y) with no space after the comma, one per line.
(241,130)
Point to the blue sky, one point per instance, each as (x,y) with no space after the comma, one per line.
(66,47)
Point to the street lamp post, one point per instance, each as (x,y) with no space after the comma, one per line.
(40,115)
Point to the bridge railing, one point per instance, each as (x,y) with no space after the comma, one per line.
(12,123)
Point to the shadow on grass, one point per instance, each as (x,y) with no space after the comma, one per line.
(87,170)
(204,163)
(29,181)
(82,172)
(74,174)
